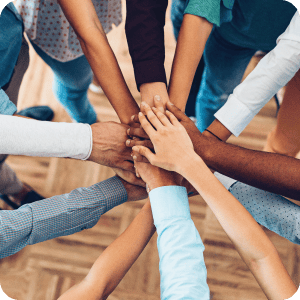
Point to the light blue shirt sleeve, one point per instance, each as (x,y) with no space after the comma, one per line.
(58,216)
(6,106)
(182,269)
(270,210)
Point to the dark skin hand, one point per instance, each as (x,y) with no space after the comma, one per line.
(268,171)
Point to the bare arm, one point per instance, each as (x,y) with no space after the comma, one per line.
(251,242)
(170,140)
(83,18)
(116,260)
(268,171)
(192,38)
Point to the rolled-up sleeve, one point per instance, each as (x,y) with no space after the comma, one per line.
(273,72)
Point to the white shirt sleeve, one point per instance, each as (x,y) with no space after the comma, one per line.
(273,72)
(21,136)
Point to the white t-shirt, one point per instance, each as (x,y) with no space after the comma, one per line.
(273,72)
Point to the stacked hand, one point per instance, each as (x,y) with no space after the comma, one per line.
(168,138)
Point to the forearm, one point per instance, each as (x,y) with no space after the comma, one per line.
(268,171)
(58,216)
(145,36)
(248,237)
(273,72)
(101,58)
(182,268)
(116,260)
(22,136)
(192,38)
(109,75)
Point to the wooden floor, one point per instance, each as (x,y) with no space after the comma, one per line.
(45,270)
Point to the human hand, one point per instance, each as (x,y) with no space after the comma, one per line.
(109,147)
(130,177)
(151,89)
(134,192)
(169,138)
(156,177)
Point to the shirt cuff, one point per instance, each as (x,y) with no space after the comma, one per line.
(169,202)
(6,106)
(234,115)
(226,181)
(114,191)
(149,71)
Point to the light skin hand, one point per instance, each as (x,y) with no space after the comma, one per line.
(150,90)
(109,147)
(169,138)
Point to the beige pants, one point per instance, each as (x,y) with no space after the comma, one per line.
(285,138)
(9,182)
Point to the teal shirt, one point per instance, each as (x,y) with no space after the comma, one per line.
(254,24)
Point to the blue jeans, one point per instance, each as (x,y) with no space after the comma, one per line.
(70,86)
(177,9)
(225,64)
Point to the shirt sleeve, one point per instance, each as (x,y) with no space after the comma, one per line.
(214,11)
(58,216)
(145,36)
(6,106)
(21,136)
(182,269)
(273,72)
(273,211)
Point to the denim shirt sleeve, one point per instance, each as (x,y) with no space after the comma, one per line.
(58,216)
(6,106)
(182,269)
(214,11)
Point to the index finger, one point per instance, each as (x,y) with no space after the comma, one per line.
(146,125)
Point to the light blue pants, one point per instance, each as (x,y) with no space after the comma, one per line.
(70,86)
(225,64)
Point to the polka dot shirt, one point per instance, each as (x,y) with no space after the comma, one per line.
(46,25)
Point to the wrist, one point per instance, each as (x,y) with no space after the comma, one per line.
(162,178)
(190,165)
(149,90)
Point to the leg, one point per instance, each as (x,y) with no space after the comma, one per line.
(9,182)
(177,10)
(225,65)
(284,139)
(70,86)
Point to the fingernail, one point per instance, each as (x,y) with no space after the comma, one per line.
(128,131)
(127,142)
(143,103)
(132,118)
(170,102)
(140,113)
(157,98)
(134,157)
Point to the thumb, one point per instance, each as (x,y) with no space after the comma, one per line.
(144,151)
(176,111)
